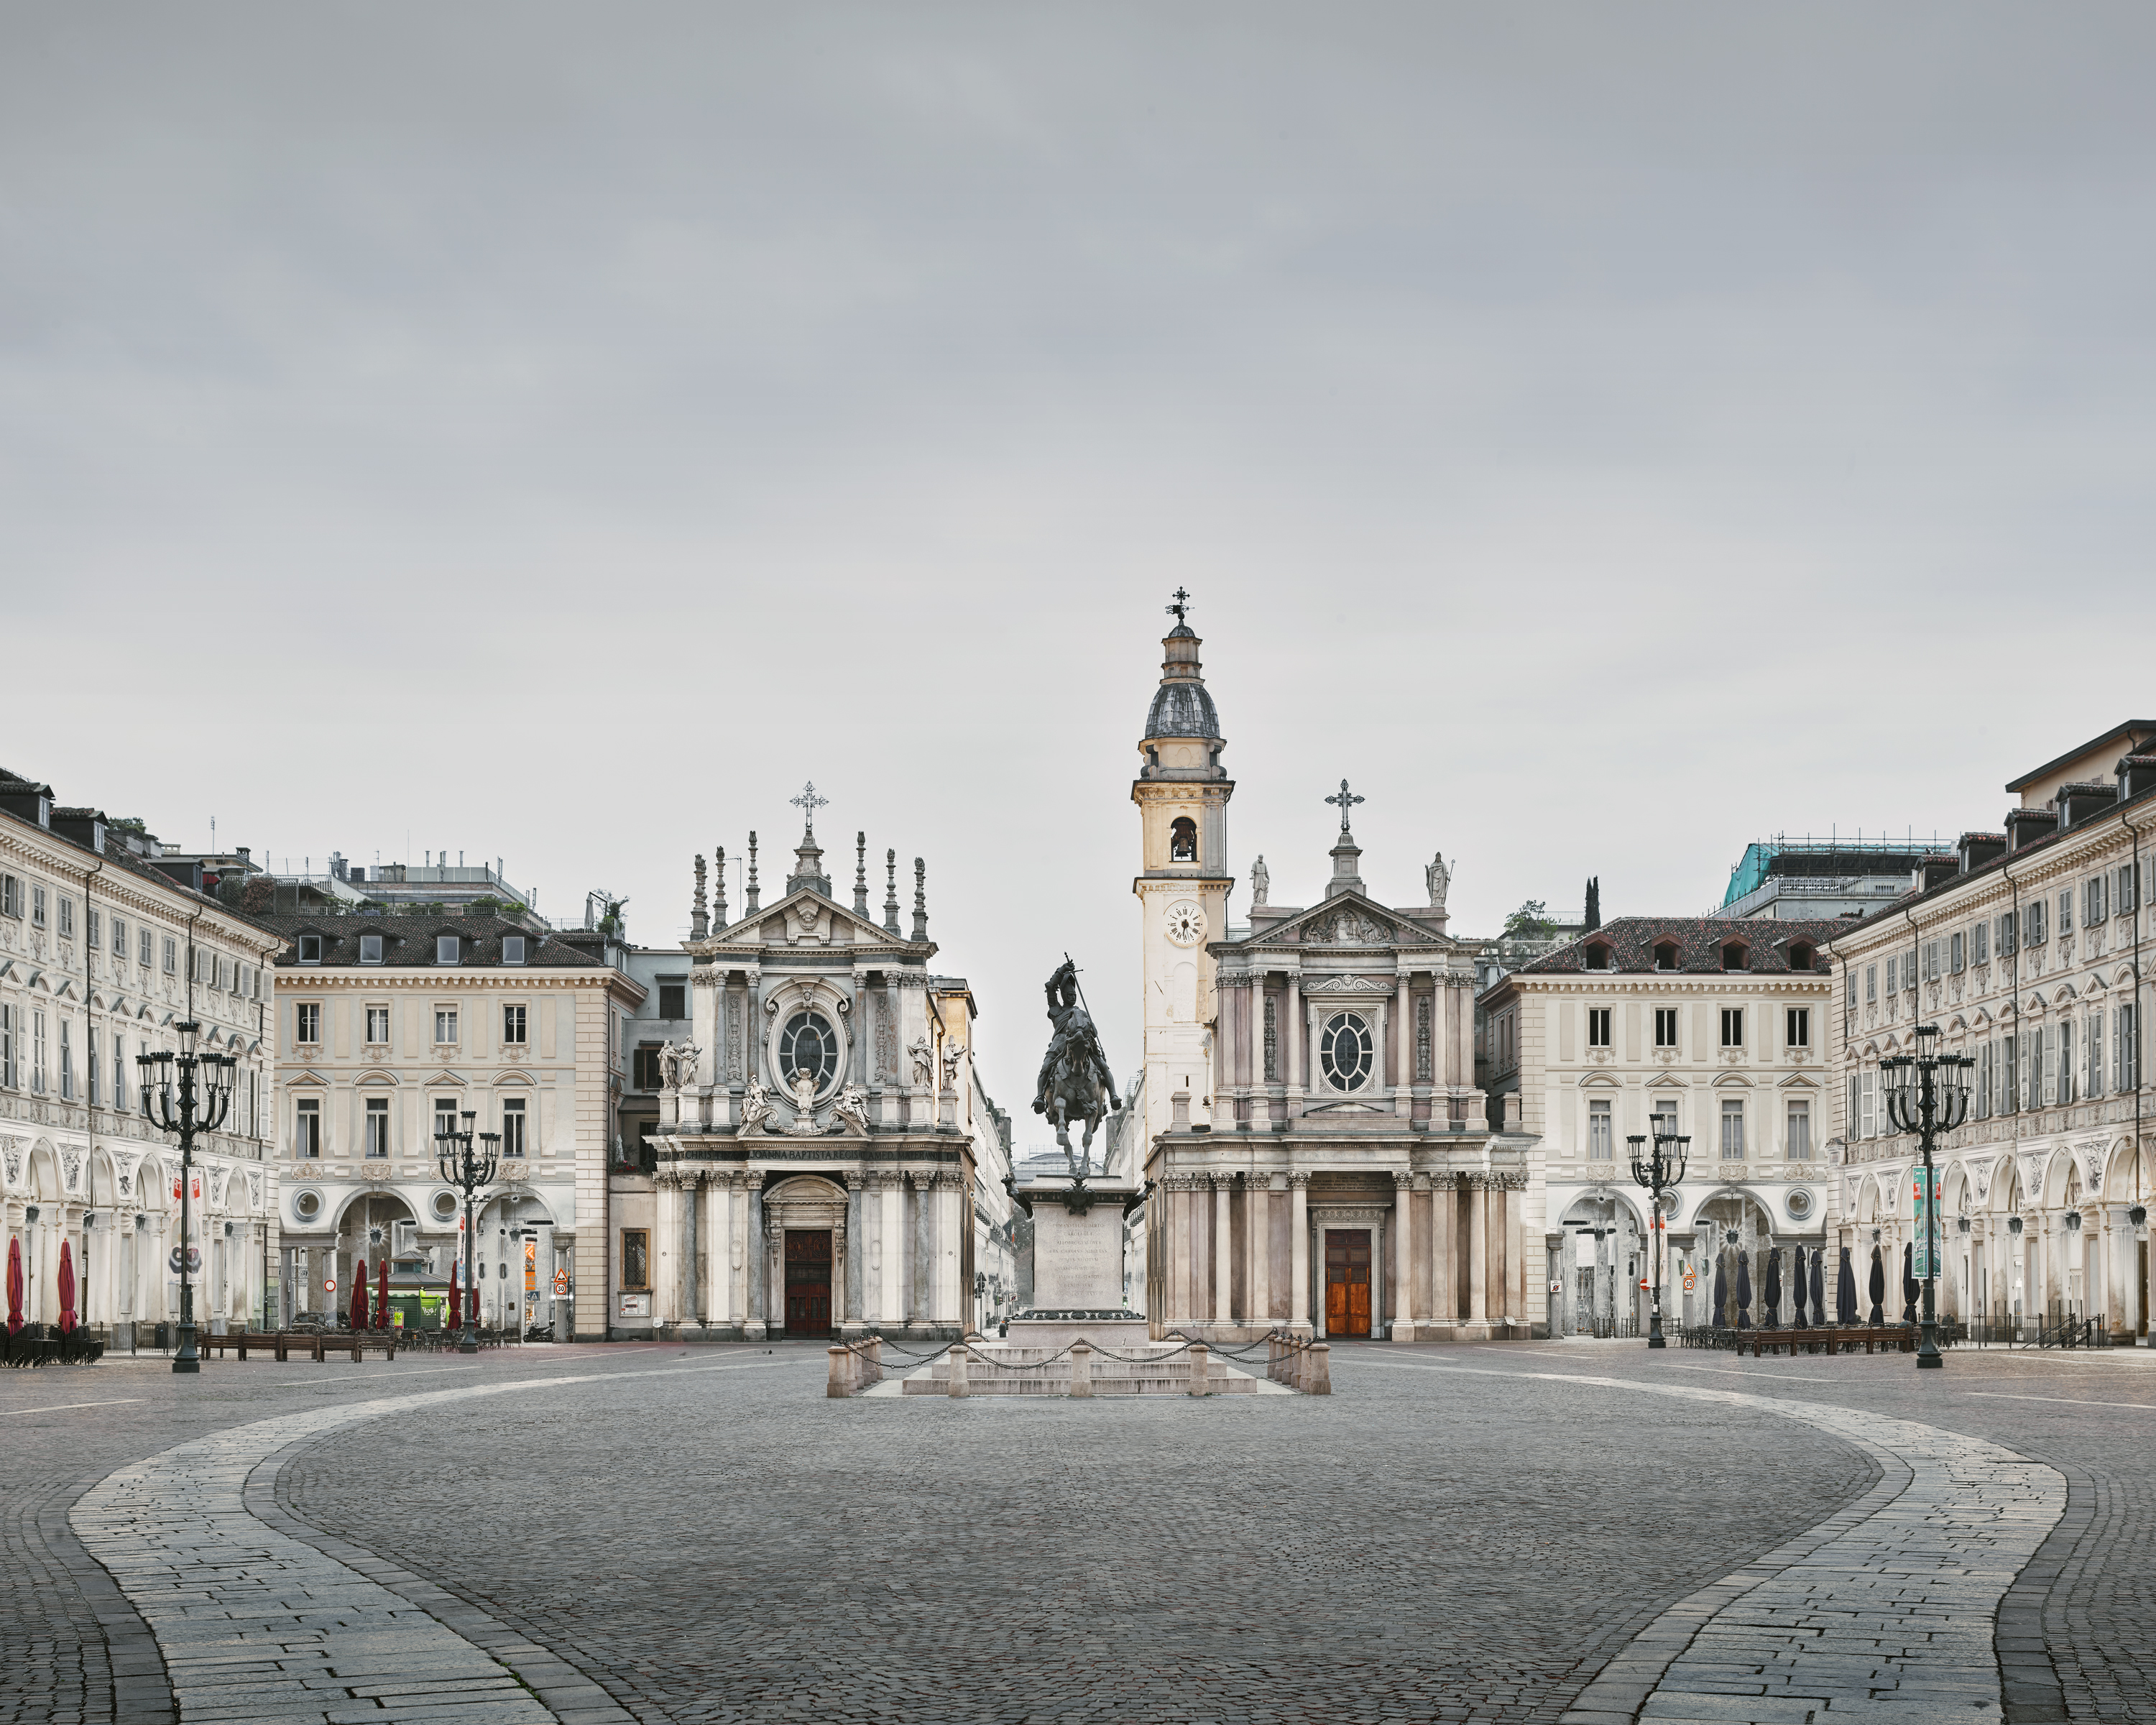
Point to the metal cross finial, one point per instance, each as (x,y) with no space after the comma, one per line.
(1182,604)
(1347,800)
(808,802)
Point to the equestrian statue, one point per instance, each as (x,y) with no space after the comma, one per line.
(1075,1084)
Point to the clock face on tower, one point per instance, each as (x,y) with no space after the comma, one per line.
(1186,923)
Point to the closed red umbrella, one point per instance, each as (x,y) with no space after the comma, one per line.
(66,1287)
(14,1284)
(456,1303)
(359,1297)
(382,1296)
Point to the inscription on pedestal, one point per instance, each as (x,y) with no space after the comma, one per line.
(1077,1261)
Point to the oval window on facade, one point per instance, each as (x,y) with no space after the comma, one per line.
(307,1205)
(1343,1051)
(807,1045)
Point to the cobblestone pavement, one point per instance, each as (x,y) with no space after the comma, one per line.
(718,1542)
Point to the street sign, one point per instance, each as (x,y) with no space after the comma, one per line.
(330,1286)
(561,1282)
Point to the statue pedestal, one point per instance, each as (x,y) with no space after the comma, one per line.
(1077,1268)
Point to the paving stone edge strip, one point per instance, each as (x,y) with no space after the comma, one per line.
(2029,1688)
(571,1696)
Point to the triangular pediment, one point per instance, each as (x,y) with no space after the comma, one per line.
(802,912)
(1350,921)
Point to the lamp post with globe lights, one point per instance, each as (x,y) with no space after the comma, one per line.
(1927,1094)
(467,1169)
(1659,1172)
(189,1095)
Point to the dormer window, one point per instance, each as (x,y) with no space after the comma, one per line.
(512,949)
(1800,956)
(1183,839)
(370,949)
(449,949)
(310,949)
(1732,956)
(1598,957)
(1666,955)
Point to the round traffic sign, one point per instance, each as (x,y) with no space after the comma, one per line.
(330,1286)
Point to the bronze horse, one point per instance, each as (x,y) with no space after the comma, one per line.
(1074,1084)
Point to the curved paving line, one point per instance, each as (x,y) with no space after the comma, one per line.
(255,1622)
(1883,1613)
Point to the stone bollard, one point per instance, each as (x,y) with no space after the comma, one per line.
(1198,1369)
(842,1373)
(958,1359)
(1321,1370)
(1081,1369)
(872,1351)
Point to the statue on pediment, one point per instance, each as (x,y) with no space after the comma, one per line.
(1439,879)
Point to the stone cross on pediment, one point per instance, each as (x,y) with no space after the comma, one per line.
(1346,800)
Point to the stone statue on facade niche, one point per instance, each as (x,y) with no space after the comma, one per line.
(1261,882)
(803,1089)
(852,1108)
(756,1107)
(677,1064)
(1439,881)
(1075,1082)
(953,1053)
(924,1062)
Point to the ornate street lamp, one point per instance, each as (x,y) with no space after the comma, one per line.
(177,1106)
(1928,1095)
(1658,1173)
(468,1170)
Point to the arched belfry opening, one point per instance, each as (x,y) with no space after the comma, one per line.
(1183,839)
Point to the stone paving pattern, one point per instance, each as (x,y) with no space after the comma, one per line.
(775,1553)
(718,1551)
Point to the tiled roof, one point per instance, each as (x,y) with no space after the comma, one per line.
(409,943)
(1632,940)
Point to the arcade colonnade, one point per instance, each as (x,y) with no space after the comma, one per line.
(1232,1254)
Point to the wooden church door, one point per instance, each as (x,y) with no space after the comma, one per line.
(1347,1282)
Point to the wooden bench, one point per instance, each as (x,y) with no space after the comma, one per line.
(277,1342)
(356,1342)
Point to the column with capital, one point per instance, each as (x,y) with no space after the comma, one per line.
(1443,1262)
(666,1273)
(841,1282)
(891,1248)
(1403,1255)
(1253,1040)
(1175,1272)
(919,1306)
(1478,1250)
(774,1273)
(1224,1248)
(1403,1074)
(1290,1038)
(1298,1303)
(1516,1250)
(1378,1279)
(1257,1253)
(717,1233)
(751,1226)
(850,1314)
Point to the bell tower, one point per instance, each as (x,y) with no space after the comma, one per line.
(1182,791)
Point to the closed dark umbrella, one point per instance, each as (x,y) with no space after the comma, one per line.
(1744,1290)
(359,1295)
(1798,1279)
(382,1296)
(456,1304)
(1818,1286)
(66,1286)
(1722,1291)
(1773,1318)
(14,1284)
(1845,1292)
(1911,1287)
(1878,1288)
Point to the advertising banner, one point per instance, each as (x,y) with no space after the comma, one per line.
(1924,1210)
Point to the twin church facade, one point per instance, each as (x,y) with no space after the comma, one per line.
(1319,1155)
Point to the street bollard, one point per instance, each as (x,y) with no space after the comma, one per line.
(1321,1370)
(958,1357)
(841,1384)
(1081,1369)
(1198,1386)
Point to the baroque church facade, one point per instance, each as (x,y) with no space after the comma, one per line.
(1319,1154)
(826,1161)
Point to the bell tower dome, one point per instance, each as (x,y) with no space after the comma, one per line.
(1182,791)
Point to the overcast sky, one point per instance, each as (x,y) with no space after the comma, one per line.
(1608,434)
